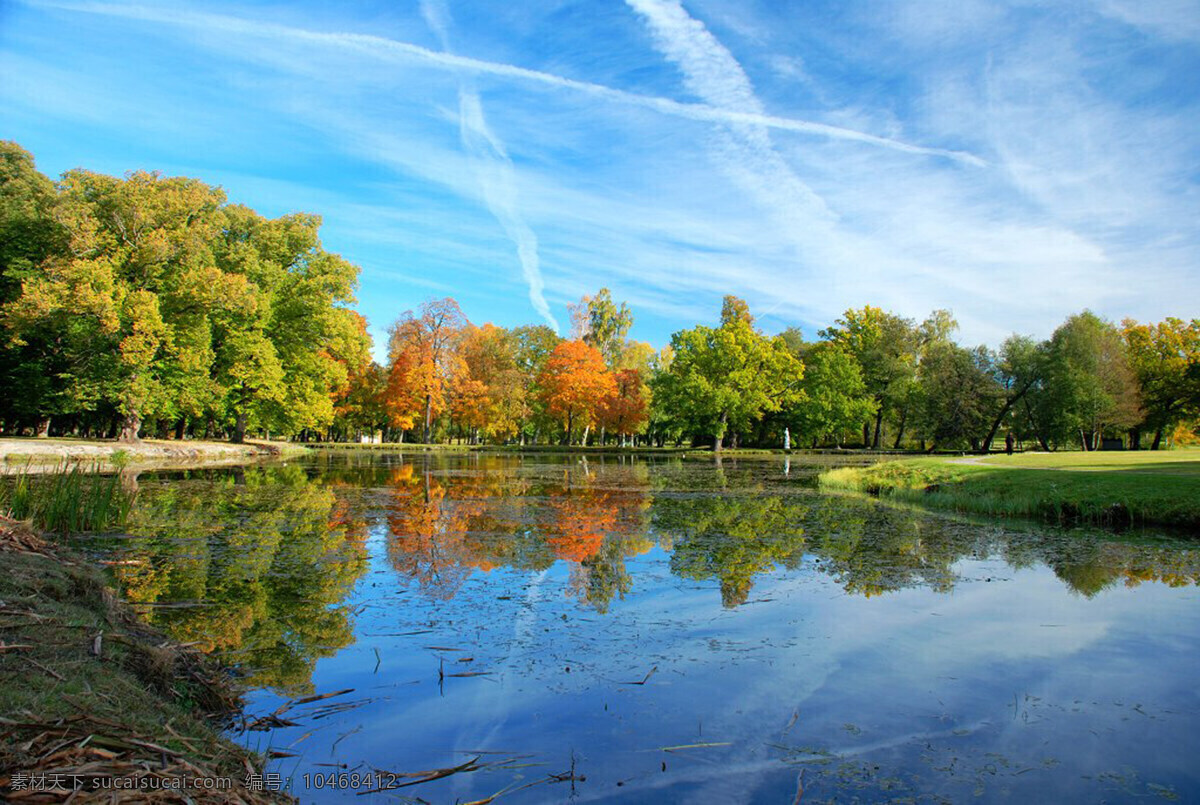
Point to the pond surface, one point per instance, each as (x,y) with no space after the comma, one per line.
(666,630)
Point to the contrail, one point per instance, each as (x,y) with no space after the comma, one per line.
(381,47)
(494,169)
(743,150)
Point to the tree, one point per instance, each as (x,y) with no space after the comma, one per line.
(1017,372)
(32,359)
(957,394)
(600,323)
(136,274)
(573,383)
(833,397)
(489,396)
(1089,385)
(623,410)
(1166,360)
(425,345)
(727,376)
(884,346)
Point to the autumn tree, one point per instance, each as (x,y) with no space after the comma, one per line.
(624,409)
(424,346)
(1166,361)
(573,383)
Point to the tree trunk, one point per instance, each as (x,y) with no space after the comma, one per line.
(43,428)
(131,423)
(1041,437)
(878,429)
(1158,434)
(180,426)
(1008,404)
(239,428)
(720,435)
(1135,438)
(586,429)
(570,425)
(900,430)
(428,415)
(866,434)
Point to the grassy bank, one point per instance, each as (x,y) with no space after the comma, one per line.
(88,690)
(1112,489)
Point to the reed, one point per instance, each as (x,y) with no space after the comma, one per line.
(71,499)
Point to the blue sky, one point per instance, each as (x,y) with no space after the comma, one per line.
(1014,162)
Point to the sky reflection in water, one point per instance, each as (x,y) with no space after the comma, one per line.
(484,604)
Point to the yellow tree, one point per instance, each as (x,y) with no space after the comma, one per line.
(490,394)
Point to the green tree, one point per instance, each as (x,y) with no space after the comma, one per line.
(833,397)
(958,394)
(1018,371)
(885,347)
(726,376)
(32,359)
(1088,386)
(600,323)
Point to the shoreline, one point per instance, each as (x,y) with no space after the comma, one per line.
(94,697)
(36,455)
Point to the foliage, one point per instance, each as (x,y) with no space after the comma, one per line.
(726,377)
(424,360)
(1166,361)
(161,301)
(1088,385)
(833,397)
(574,382)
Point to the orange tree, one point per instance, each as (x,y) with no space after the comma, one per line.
(624,410)
(573,383)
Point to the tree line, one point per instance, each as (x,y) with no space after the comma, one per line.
(145,305)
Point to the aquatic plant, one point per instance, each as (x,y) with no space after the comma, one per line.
(67,500)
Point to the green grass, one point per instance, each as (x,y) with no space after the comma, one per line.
(1112,489)
(68,500)
(1173,462)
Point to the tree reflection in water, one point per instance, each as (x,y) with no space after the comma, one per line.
(260,561)
(256,563)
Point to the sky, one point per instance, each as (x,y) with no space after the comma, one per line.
(1013,162)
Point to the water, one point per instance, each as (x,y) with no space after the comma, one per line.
(666,630)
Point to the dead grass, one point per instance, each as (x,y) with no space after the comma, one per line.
(92,695)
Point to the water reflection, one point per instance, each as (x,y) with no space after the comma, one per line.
(257,564)
(253,564)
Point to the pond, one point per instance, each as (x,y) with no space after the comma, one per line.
(555,628)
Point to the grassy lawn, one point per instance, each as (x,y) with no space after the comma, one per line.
(1131,488)
(1171,462)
